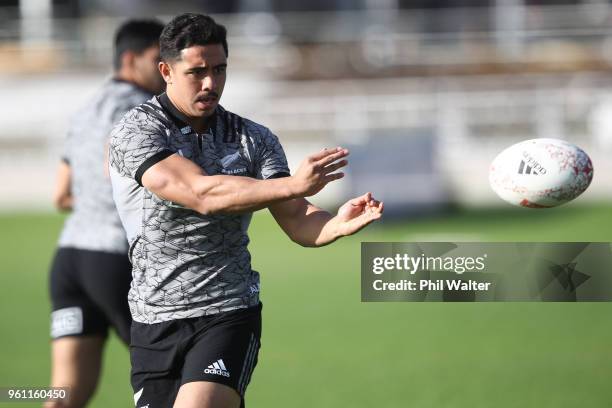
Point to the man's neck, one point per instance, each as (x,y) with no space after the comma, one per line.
(127,76)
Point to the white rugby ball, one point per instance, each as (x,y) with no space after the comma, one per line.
(540,173)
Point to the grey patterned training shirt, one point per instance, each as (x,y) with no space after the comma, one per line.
(186,264)
(94,223)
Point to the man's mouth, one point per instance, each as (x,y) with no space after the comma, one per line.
(207,99)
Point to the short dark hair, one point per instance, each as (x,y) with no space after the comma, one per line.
(187,30)
(136,36)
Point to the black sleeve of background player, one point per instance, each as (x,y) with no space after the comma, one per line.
(280,174)
(156,158)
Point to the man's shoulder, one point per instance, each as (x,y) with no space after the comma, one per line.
(234,122)
(116,95)
(125,94)
(110,101)
(144,119)
(148,114)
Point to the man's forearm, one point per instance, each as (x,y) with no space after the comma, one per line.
(231,194)
(182,181)
(307,224)
(319,230)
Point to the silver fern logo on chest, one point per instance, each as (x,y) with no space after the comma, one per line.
(227,163)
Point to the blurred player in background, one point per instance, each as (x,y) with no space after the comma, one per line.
(187,175)
(91,274)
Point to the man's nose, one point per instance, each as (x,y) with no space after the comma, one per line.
(208,83)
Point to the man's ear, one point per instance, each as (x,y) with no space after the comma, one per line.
(166,71)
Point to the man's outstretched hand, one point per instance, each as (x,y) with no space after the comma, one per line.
(317,170)
(355,214)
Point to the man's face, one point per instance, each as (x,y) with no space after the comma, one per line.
(197,79)
(145,65)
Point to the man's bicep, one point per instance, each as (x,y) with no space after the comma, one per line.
(173,178)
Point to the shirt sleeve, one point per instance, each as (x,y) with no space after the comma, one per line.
(271,160)
(137,142)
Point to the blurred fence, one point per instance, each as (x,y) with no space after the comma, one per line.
(381,41)
(443,91)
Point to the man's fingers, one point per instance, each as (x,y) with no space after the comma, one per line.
(378,209)
(367,218)
(375,216)
(331,177)
(361,200)
(373,203)
(333,167)
(327,152)
(374,212)
(335,155)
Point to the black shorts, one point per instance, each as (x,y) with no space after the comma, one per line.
(89,293)
(221,348)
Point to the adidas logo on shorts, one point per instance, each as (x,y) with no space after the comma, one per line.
(217,368)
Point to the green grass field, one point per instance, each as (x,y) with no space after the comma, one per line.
(322,347)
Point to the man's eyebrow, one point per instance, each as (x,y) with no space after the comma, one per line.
(205,67)
(198,68)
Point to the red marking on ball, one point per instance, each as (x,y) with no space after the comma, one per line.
(529,204)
